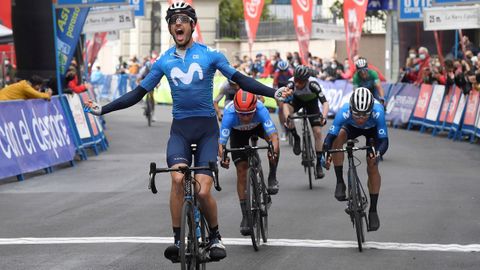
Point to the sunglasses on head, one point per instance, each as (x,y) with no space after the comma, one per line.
(180,18)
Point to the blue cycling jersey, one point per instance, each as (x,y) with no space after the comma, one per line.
(190,78)
(376,119)
(232,121)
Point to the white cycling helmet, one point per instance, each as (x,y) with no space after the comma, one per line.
(361,101)
(361,63)
(282,65)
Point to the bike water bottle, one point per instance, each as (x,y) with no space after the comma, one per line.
(197,222)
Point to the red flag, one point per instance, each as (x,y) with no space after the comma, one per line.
(252,10)
(353,14)
(94,46)
(302,18)
(197,35)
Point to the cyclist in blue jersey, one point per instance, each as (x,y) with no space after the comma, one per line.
(280,79)
(243,118)
(363,116)
(189,68)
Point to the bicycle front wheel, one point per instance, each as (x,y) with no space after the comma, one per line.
(252,208)
(264,203)
(357,211)
(188,239)
(308,163)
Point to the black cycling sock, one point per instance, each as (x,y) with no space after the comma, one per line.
(319,156)
(373,202)
(339,174)
(214,232)
(273,169)
(243,206)
(176,234)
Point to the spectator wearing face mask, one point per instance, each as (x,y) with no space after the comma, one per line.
(422,64)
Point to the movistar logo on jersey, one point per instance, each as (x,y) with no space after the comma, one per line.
(376,115)
(186,78)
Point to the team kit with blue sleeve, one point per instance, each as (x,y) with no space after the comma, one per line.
(191,83)
(374,128)
(239,134)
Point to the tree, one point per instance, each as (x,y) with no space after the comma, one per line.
(231,13)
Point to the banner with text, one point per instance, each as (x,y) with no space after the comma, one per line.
(252,10)
(353,14)
(34,138)
(70,22)
(302,19)
(400,105)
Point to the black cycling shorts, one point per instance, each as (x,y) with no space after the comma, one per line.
(311,107)
(202,131)
(240,138)
(369,134)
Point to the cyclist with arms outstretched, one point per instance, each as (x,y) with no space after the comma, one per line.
(307,92)
(280,79)
(189,68)
(362,116)
(243,118)
(365,77)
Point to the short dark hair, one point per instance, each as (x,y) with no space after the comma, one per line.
(36,80)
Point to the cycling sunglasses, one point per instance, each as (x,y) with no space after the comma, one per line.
(361,115)
(245,114)
(179,18)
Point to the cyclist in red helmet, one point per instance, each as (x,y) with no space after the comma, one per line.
(244,117)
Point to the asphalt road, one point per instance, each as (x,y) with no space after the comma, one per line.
(100,215)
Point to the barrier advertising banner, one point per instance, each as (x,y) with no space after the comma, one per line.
(457,93)
(302,18)
(79,116)
(471,113)
(69,27)
(336,93)
(435,103)
(197,34)
(354,14)
(252,10)
(423,101)
(400,106)
(35,138)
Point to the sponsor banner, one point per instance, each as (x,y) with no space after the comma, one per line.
(109,19)
(393,90)
(302,19)
(139,7)
(337,93)
(451,18)
(454,101)
(423,101)
(70,22)
(327,31)
(78,116)
(472,106)
(35,137)
(446,104)
(197,34)
(94,46)
(400,105)
(382,5)
(90,3)
(252,10)
(454,2)
(91,119)
(354,14)
(460,109)
(435,102)
(412,10)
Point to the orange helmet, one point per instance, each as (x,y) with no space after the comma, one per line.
(245,102)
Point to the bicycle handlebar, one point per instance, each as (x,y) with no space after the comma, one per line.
(212,166)
(302,116)
(351,146)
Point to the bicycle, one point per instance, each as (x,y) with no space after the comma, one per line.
(149,107)
(194,227)
(308,151)
(357,199)
(258,201)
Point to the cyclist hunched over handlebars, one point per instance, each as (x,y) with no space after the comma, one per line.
(362,116)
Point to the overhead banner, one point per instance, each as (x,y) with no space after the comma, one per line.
(197,34)
(70,22)
(412,10)
(302,19)
(35,137)
(327,31)
(451,18)
(252,10)
(139,7)
(109,19)
(90,3)
(454,2)
(353,14)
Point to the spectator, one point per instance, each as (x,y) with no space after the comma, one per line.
(97,79)
(434,73)
(346,73)
(73,83)
(422,64)
(9,72)
(26,90)
(290,59)
(133,69)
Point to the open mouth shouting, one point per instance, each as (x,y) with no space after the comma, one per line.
(179,34)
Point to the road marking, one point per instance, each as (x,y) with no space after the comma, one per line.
(247,242)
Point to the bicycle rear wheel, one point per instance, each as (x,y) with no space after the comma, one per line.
(252,208)
(264,204)
(188,239)
(308,162)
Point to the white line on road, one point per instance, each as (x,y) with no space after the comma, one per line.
(247,242)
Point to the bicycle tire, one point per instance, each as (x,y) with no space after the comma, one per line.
(357,210)
(251,205)
(264,201)
(307,144)
(202,264)
(148,112)
(188,239)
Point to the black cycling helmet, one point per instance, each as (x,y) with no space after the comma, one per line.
(361,63)
(302,73)
(181,8)
(361,101)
